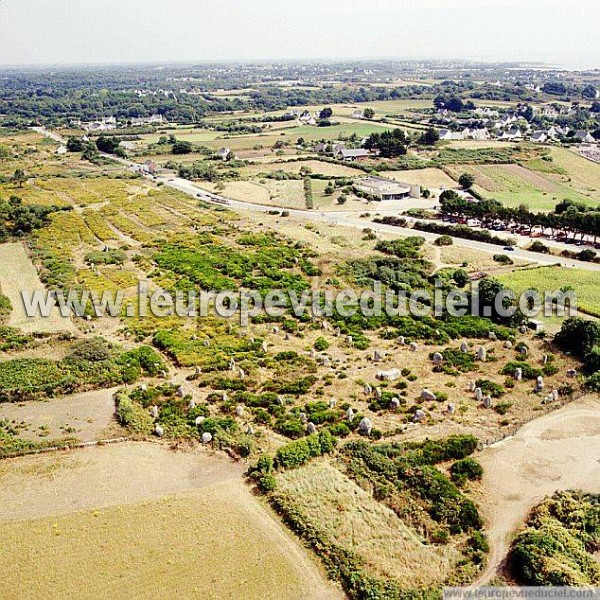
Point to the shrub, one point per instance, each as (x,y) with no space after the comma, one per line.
(321,344)
(443,240)
(466,468)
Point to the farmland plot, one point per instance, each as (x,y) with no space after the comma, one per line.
(18,273)
(166,522)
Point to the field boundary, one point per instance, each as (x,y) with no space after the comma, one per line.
(67,446)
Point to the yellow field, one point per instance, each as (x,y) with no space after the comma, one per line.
(214,543)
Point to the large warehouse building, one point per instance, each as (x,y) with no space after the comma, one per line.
(386,189)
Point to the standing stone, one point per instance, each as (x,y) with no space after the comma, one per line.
(377,356)
(523,329)
(249,430)
(545,359)
(555,395)
(472,386)
(464,347)
(427,395)
(311,428)
(437,358)
(414,347)
(326,362)
(539,384)
(275,329)
(242,373)
(199,420)
(232,365)
(206,437)
(303,417)
(478,394)
(401,341)
(365,426)
(451,408)
(350,341)
(419,415)
(508,344)
(481,354)
(395,403)
(492,336)
(367,389)
(154,411)
(239,410)
(332,403)
(158,430)
(378,393)
(349,414)
(519,374)
(280,400)
(265,347)
(192,404)
(487,402)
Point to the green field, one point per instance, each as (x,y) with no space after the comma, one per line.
(586,284)
(540,190)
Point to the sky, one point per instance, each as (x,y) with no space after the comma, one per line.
(559,32)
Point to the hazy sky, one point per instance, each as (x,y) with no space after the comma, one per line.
(77,31)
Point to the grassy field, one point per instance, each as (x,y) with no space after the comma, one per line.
(17,273)
(201,544)
(514,185)
(430,178)
(585,283)
(351,518)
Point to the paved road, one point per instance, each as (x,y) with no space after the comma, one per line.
(343,218)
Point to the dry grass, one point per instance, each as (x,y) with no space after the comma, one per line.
(217,543)
(18,274)
(137,520)
(350,517)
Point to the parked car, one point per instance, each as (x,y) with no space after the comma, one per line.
(509,248)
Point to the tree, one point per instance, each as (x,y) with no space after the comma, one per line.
(19,177)
(330,189)
(389,143)
(107,144)
(182,147)
(429,137)
(461,278)
(466,181)
(326,113)
(75,144)
(368,113)
(342,199)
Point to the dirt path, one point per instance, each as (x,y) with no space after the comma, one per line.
(556,452)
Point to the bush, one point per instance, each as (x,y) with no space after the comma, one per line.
(300,451)
(132,415)
(444,240)
(321,344)
(466,468)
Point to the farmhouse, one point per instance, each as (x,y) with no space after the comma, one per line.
(149,167)
(386,189)
(223,153)
(352,155)
(584,136)
(539,136)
